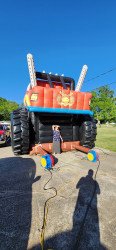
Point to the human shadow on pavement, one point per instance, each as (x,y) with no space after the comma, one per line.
(16,179)
(85,233)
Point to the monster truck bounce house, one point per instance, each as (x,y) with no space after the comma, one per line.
(53,99)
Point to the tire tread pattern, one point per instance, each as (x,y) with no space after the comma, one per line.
(87,133)
(20,131)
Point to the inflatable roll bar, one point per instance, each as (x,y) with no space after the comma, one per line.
(81,78)
(31,68)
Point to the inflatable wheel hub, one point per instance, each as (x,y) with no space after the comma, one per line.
(47,161)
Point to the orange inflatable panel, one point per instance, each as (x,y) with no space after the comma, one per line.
(47,97)
(65,146)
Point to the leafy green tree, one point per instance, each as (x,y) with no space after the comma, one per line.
(104,104)
(6,107)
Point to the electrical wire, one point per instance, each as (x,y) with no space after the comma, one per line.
(77,244)
(105,153)
(102,74)
(46,210)
(103,85)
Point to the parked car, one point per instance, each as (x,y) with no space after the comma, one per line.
(5,137)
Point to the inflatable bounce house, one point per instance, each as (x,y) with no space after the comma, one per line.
(53,99)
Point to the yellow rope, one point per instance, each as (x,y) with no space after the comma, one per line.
(43,229)
(46,212)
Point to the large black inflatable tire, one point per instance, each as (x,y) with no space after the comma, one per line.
(87,133)
(20,131)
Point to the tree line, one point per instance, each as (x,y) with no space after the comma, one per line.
(103,105)
(6,107)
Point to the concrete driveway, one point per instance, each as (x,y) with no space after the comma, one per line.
(81,216)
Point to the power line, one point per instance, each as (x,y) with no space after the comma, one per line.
(104,85)
(98,76)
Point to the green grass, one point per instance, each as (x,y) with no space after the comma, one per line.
(106,137)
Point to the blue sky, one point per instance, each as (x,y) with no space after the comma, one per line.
(62,36)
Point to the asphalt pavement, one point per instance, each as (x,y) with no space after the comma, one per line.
(81,216)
